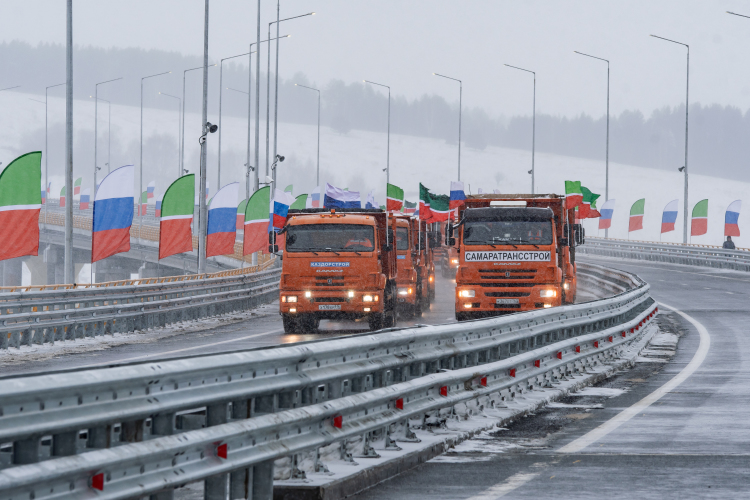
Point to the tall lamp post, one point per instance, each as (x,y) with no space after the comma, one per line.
(140,181)
(96,122)
(606,164)
(179,103)
(685,168)
(276,77)
(460,97)
(69,265)
(317,170)
(46,152)
(182,145)
(388,147)
(533,124)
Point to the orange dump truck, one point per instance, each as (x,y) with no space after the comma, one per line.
(413,262)
(337,264)
(514,254)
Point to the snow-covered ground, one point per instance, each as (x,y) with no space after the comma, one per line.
(355,160)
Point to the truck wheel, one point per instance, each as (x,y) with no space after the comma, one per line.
(461,317)
(376,321)
(406,311)
(290,324)
(418,305)
(308,324)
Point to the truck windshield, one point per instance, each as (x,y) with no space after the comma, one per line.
(330,238)
(402,238)
(481,232)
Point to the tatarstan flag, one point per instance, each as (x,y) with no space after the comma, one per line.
(20,203)
(300,202)
(573,194)
(62,196)
(409,207)
(699,222)
(587,209)
(439,207)
(395,198)
(256,221)
(77,186)
(424,203)
(636,215)
(175,235)
(241,215)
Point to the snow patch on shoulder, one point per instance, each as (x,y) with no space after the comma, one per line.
(599,391)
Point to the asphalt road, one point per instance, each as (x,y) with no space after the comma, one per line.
(258,328)
(692,442)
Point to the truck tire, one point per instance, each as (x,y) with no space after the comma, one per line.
(308,324)
(389,309)
(418,304)
(290,324)
(376,321)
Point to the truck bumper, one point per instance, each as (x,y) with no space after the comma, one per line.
(331,304)
(491,301)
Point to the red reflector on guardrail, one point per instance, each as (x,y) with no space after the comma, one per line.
(578,348)
(338,421)
(97,482)
(400,403)
(483,381)
(596,343)
(444,391)
(624,334)
(221,451)
(512,372)
(632,330)
(537,362)
(611,338)
(559,354)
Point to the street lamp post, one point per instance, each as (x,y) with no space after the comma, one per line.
(96,122)
(247,166)
(69,266)
(388,148)
(533,125)
(606,164)
(276,78)
(182,145)
(317,170)
(46,151)
(221,88)
(460,97)
(179,103)
(140,182)
(687,102)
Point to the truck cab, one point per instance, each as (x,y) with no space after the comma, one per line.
(514,254)
(412,264)
(337,264)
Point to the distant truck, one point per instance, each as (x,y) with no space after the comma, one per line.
(414,266)
(337,264)
(515,253)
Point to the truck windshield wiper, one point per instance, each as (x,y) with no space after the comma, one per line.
(331,250)
(528,243)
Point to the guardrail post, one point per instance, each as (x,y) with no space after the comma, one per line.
(163,424)
(100,437)
(131,432)
(238,479)
(263,481)
(26,451)
(64,444)
(215,488)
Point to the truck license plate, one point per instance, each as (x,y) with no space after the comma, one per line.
(329,307)
(506,301)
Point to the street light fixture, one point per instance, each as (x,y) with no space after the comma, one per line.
(179,105)
(317,169)
(276,77)
(140,182)
(460,97)
(687,102)
(9,88)
(533,124)
(96,123)
(388,148)
(606,167)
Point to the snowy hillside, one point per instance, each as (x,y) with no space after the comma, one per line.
(354,160)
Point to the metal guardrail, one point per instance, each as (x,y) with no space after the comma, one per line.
(50,315)
(265,404)
(673,253)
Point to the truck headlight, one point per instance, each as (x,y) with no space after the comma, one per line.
(351,295)
(454,261)
(308,295)
(547,293)
(466,293)
(403,291)
(566,286)
(367,298)
(289,298)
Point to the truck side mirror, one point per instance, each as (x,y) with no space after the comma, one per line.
(564,242)
(273,248)
(272,238)
(388,248)
(452,242)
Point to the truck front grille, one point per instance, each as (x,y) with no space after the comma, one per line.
(507,274)
(330,299)
(507,294)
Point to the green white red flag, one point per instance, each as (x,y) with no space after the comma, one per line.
(439,207)
(587,208)
(256,221)
(300,202)
(424,203)
(573,194)
(20,202)
(699,221)
(175,235)
(395,198)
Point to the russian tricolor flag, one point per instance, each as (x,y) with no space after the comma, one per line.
(222,221)
(371,200)
(150,190)
(457,194)
(85,199)
(279,209)
(338,198)
(315,198)
(669,217)
(44,196)
(605,221)
(113,214)
(731,228)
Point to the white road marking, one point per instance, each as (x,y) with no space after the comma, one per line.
(684,272)
(628,413)
(501,489)
(202,346)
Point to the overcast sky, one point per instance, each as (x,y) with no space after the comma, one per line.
(400,43)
